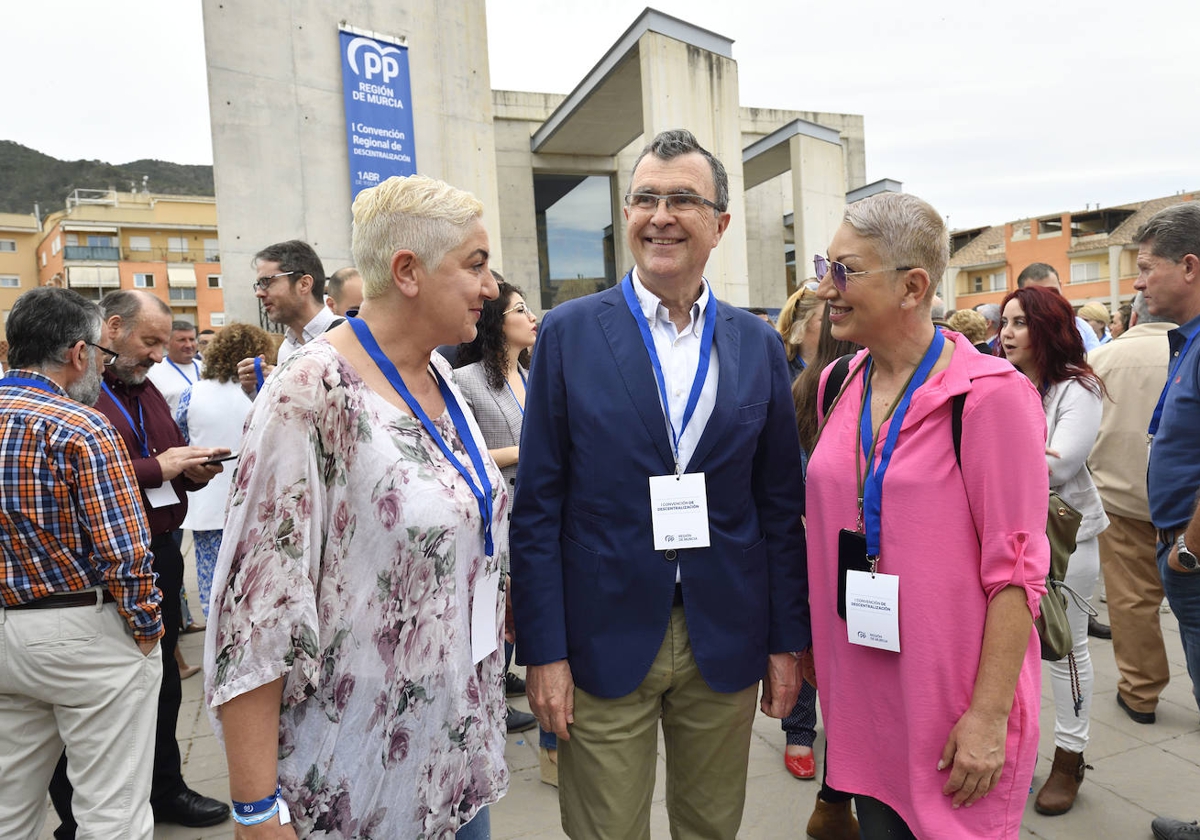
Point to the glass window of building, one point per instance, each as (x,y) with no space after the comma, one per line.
(576,250)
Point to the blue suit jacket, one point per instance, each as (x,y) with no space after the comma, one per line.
(588,585)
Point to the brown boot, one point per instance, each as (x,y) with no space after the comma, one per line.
(1058,794)
(832,821)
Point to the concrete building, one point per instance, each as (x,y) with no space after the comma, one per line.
(19,235)
(551,170)
(1091,249)
(166,244)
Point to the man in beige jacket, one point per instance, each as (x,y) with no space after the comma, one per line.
(1134,369)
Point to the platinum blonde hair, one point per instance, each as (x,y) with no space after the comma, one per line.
(906,231)
(420,214)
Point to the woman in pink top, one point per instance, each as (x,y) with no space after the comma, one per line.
(930,684)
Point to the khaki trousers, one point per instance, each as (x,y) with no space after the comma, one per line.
(606,770)
(1135,592)
(73,676)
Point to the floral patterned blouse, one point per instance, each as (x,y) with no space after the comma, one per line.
(351,552)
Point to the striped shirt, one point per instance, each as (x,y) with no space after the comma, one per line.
(71,515)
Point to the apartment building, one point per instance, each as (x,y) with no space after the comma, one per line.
(19,236)
(1091,249)
(106,240)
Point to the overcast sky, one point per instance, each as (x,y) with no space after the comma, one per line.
(992,112)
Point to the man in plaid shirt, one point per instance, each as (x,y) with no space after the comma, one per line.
(80,663)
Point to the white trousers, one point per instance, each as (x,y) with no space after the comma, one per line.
(74,677)
(1071,731)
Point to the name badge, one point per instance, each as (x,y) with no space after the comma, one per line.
(163,496)
(873,610)
(483,616)
(679,511)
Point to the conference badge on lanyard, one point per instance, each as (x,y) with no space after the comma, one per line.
(679,511)
(873,610)
(679,502)
(873,598)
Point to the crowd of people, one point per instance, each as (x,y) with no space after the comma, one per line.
(671,512)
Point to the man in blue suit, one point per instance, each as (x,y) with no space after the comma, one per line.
(658,557)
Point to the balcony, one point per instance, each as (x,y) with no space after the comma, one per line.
(90,252)
(166,255)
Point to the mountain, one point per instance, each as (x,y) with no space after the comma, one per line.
(28,176)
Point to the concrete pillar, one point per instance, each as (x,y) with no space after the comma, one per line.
(1114,276)
(688,87)
(818,194)
(280,163)
(766,243)
(949,287)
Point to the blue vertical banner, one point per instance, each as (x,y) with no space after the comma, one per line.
(376,87)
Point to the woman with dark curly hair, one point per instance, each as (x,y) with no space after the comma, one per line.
(492,373)
(212,412)
(493,369)
(1038,335)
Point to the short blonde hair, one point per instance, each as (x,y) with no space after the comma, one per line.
(1095,312)
(424,215)
(797,312)
(970,323)
(906,231)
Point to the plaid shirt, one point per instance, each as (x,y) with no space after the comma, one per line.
(70,510)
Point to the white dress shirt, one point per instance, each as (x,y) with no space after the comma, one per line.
(679,355)
(292,342)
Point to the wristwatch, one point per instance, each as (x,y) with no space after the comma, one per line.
(1186,558)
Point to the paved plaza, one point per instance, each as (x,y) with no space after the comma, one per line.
(1139,771)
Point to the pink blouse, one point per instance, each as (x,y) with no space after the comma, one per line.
(888,715)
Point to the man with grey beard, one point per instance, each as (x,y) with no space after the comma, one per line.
(79,611)
(137,326)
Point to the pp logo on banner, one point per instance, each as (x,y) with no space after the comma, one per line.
(380,58)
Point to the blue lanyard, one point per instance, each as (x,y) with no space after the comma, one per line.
(28,383)
(195,369)
(1162,398)
(139,428)
(706,344)
(483,489)
(514,394)
(872,488)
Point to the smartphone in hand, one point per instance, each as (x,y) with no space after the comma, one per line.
(219,459)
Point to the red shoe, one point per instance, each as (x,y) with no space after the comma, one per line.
(801,766)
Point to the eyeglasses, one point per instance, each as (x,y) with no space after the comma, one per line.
(676,202)
(824,266)
(110,356)
(264,283)
(520,307)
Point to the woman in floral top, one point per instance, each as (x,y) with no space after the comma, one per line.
(354,658)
